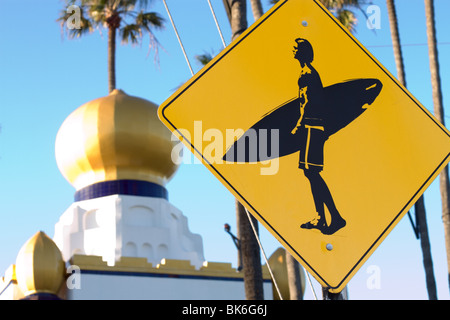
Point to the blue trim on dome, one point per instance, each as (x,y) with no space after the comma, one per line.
(125,187)
(42,296)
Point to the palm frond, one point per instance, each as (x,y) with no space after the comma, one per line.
(339,4)
(203,59)
(347,18)
(333,4)
(150,20)
(343,11)
(97,12)
(86,25)
(143,22)
(130,33)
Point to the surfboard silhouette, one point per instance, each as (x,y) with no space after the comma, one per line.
(344,102)
(303,125)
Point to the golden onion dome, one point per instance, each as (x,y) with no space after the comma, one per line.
(116,137)
(40,267)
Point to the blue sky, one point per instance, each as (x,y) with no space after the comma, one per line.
(44,77)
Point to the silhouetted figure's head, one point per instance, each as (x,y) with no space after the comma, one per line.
(303,51)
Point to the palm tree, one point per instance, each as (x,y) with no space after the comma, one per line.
(249,256)
(439,114)
(419,206)
(116,16)
(249,248)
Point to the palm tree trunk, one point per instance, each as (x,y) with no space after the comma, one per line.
(420,204)
(426,249)
(294,281)
(251,257)
(227,6)
(249,249)
(238,9)
(111,58)
(398,55)
(439,114)
(257,9)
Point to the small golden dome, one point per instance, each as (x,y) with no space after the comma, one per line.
(116,137)
(277,262)
(40,267)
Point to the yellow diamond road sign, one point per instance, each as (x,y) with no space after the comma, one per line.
(312,135)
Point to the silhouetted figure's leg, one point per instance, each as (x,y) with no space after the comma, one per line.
(337,222)
(322,195)
(319,222)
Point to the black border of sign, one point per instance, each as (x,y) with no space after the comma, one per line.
(402,211)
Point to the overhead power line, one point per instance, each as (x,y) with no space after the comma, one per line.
(405,45)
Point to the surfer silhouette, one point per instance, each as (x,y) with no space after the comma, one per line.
(304,123)
(311,129)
